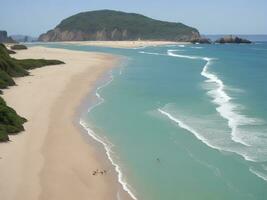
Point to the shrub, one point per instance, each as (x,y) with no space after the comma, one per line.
(18,47)
(10,121)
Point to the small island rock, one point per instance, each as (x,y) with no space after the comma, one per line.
(232,39)
(201,40)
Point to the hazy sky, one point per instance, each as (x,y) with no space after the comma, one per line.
(34,17)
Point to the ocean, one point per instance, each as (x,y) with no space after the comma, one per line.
(184,122)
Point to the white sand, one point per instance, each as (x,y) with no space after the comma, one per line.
(51,160)
(125,44)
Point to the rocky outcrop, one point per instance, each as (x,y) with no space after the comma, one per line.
(5,39)
(58,35)
(232,39)
(104,35)
(201,40)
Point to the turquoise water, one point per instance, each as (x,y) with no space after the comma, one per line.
(186,122)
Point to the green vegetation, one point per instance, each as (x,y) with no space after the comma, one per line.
(116,25)
(10,67)
(10,121)
(10,51)
(36,63)
(18,47)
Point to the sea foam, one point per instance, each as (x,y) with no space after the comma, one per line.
(152,53)
(108,149)
(186,127)
(249,143)
(209,131)
(107,145)
(197,47)
(258,173)
(221,98)
(225,108)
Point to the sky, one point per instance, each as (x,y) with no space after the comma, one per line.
(33,17)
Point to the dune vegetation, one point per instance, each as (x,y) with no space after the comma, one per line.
(10,121)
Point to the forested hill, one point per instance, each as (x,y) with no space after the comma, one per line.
(116,25)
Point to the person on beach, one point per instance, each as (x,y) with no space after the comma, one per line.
(95,172)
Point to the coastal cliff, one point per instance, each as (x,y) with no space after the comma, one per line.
(115,25)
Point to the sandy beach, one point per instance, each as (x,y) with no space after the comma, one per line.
(51,159)
(125,44)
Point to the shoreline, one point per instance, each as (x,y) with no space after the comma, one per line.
(51,153)
(121,44)
(93,100)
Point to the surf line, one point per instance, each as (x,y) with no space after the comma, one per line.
(220,97)
(186,127)
(107,145)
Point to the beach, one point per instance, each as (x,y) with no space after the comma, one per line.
(52,159)
(167,120)
(125,44)
(176,116)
